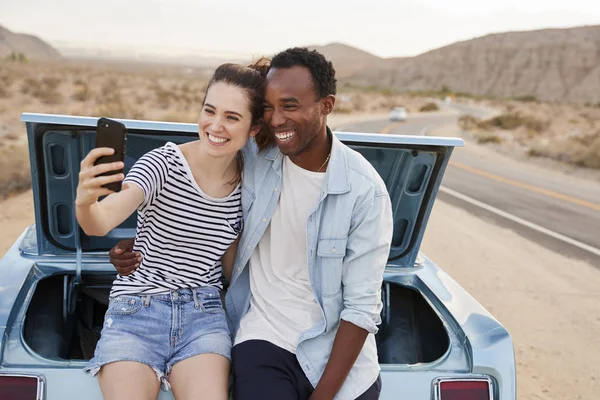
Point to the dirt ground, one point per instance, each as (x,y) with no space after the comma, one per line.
(549,303)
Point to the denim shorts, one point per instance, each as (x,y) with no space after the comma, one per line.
(161,330)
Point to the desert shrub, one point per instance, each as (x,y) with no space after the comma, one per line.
(51,82)
(82,92)
(14,169)
(29,85)
(513,120)
(528,98)
(468,122)
(47,94)
(177,116)
(45,90)
(163,96)
(429,107)
(581,151)
(586,151)
(6,80)
(487,137)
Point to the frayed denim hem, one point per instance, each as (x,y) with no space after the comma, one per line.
(162,378)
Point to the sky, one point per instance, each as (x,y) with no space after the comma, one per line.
(386,28)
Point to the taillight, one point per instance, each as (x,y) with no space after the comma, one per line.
(21,387)
(463,389)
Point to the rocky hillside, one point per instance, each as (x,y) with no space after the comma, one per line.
(551,64)
(28,45)
(347,60)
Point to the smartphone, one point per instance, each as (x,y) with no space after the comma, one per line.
(111,133)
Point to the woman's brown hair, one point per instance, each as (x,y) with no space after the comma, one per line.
(252,79)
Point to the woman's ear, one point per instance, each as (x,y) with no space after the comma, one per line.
(256,128)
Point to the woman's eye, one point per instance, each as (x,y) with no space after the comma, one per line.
(209,111)
(232,118)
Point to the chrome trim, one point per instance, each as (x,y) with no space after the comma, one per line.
(41,382)
(471,378)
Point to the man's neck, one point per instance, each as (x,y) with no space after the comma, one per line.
(315,156)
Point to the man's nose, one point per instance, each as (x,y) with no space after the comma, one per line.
(277,119)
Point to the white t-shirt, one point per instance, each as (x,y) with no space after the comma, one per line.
(283,304)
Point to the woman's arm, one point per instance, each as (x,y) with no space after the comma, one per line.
(98,218)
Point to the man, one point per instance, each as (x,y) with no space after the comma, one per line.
(304,299)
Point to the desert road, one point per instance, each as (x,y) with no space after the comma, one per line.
(557,211)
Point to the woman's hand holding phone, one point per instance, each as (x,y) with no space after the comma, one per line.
(90,186)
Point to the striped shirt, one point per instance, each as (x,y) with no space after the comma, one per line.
(181,232)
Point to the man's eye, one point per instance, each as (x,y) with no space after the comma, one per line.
(268,108)
(290,108)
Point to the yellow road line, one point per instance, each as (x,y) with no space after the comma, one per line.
(527,186)
(388,128)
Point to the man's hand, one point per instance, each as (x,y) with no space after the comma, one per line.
(122,256)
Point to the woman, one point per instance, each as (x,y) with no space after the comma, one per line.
(166,320)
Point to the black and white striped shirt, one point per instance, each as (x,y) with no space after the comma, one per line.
(181,232)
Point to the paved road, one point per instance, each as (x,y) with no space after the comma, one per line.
(559,212)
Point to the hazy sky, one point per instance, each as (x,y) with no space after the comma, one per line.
(384,27)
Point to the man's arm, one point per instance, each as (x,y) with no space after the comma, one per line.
(347,345)
(367,252)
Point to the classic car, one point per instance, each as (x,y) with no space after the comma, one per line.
(435,340)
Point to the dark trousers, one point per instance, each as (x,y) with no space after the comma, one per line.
(263,371)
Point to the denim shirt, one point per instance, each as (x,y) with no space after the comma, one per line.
(348,242)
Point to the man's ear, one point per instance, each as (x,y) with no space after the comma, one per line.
(328,103)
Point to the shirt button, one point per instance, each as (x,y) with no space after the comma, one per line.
(333,250)
(264,220)
(276,189)
(248,247)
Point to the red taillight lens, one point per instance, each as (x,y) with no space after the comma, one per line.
(18,388)
(465,390)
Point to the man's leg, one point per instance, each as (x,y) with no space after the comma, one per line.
(264,371)
(373,392)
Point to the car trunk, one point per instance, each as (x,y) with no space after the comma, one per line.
(65,316)
(410,333)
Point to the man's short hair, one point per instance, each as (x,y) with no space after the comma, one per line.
(322,71)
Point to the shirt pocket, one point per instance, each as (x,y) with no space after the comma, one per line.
(331,254)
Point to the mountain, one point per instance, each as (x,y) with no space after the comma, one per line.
(550,64)
(29,45)
(347,60)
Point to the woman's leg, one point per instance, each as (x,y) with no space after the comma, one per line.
(204,376)
(128,380)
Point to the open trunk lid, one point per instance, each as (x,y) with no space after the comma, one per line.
(411,166)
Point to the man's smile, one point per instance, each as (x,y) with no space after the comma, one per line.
(284,136)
